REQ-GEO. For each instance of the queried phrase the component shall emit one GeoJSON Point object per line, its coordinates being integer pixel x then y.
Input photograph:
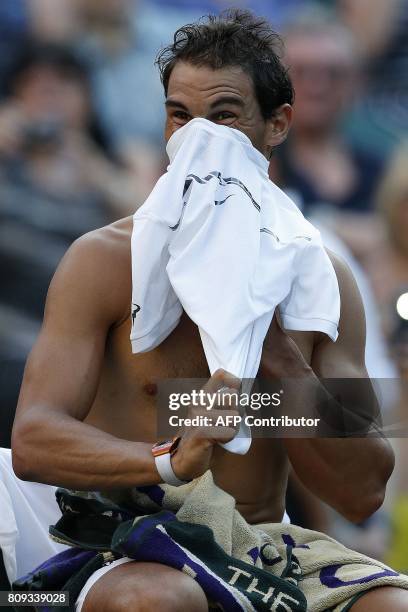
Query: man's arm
{"type": "Point", "coordinates": [89, 294]}
{"type": "Point", "coordinates": [50, 443]}
{"type": "Point", "coordinates": [350, 474]}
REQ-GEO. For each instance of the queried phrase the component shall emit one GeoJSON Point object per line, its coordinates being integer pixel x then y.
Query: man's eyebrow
{"type": "Point", "coordinates": [175, 104]}
{"type": "Point", "coordinates": [227, 100]}
{"type": "Point", "coordinates": [222, 100]}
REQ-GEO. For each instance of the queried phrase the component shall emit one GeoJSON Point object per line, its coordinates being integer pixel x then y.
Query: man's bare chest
{"type": "Point", "coordinates": [180, 355]}
{"type": "Point", "coordinates": [126, 401]}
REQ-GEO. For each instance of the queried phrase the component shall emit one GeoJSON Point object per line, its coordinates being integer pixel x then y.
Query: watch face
{"type": "Point", "coordinates": [168, 446]}
{"type": "Point", "coordinates": [161, 448]}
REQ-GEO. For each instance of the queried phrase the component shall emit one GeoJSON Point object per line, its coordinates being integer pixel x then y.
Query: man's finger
{"type": "Point", "coordinates": [221, 378]}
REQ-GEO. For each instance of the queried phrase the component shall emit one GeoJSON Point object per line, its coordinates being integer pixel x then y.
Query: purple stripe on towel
{"type": "Point", "coordinates": [63, 565]}
{"type": "Point", "coordinates": [289, 541]}
{"type": "Point", "coordinates": [329, 579]}
{"type": "Point", "coordinates": [141, 528]}
{"type": "Point", "coordinates": [160, 548]}
{"type": "Point", "coordinates": [254, 554]}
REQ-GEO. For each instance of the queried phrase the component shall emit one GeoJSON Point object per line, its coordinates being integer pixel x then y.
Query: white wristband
{"type": "Point", "coordinates": [165, 469]}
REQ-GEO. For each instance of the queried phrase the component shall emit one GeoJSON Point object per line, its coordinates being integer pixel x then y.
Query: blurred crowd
{"type": "Point", "coordinates": [81, 145]}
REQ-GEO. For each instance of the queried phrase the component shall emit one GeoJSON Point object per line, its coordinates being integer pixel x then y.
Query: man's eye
{"type": "Point", "coordinates": [181, 115]}
{"type": "Point", "coordinates": [223, 116]}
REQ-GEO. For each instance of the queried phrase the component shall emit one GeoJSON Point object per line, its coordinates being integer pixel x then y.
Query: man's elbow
{"type": "Point", "coordinates": [361, 508]}
{"type": "Point", "coordinates": [365, 500]}
{"type": "Point", "coordinates": [22, 452]}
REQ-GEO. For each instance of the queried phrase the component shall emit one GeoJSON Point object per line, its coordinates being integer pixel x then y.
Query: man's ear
{"type": "Point", "coordinates": [277, 128]}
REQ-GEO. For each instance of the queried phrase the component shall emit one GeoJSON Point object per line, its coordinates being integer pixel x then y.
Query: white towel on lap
{"type": "Point", "coordinates": [218, 239]}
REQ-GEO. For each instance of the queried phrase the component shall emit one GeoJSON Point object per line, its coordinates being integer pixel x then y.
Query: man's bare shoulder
{"type": "Point", "coordinates": [104, 252]}
{"type": "Point", "coordinates": [96, 270]}
{"type": "Point", "coordinates": [345, 277]}
{"type": "Point", "coordinates": [112, 240]}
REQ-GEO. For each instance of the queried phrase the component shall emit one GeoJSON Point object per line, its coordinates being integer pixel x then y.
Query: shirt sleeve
{"type": "Point", "coordinates": [313, 303]}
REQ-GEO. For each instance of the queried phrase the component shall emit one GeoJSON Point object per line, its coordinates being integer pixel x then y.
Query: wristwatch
{"type": "Point", "coordinates": [162, 453]}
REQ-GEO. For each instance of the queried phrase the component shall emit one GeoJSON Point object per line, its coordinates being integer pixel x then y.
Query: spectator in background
{"type": "Point", "coordinates": [373, 23]}
{"type": "Point", "coordinates": [56, 183]}
{"type": "Point", "coordinates": [381, 27]}
{"type": "Point", "coordinates": [119, 39]}
{"type": "Point", "coordinates": [51, 143]}
{"type": "Point", "coordinates": [317, 165]}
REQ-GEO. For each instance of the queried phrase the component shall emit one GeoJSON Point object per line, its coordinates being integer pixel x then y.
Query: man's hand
{"type": "Point", "coordinates": [193, 455]}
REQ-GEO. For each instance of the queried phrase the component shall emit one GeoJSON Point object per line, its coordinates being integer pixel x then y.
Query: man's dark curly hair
{"type": "Point", "coordinates": [235, 38]}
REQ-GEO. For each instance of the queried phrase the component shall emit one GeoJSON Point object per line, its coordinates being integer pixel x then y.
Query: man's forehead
{"type": "Point", "coordinates": [188, 79]}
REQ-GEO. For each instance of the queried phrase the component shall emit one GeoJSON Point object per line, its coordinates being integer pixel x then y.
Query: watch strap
{"type": "Point", "coordinates": [165, 469]}
{"type": "Point", "coordinates": [163, 452]}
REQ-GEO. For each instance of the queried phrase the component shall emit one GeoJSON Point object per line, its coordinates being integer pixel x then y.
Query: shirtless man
{"type": "Point", "coordinates": [86, 417]}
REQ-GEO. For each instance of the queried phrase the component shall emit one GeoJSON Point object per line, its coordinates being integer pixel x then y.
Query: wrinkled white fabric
{"type": "Point", "coordinates": [218, 239]}
{"type": "Point", "coordinates": [26, 511]}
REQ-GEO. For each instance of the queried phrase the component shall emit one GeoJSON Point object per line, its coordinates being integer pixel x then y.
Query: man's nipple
{"type": "Point", "coordinates": [150, 388]}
